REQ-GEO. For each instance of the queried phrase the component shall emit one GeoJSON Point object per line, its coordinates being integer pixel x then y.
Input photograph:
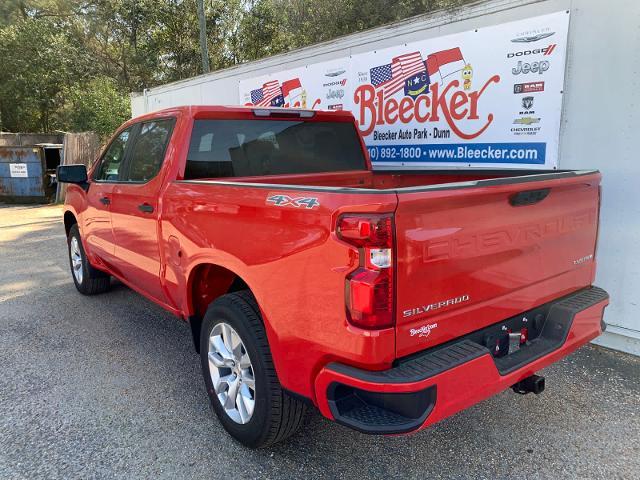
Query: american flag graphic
{"type": "Point", "coordinates": [261, 97]}
{"type": "Point", "coordinates": [393, 76]}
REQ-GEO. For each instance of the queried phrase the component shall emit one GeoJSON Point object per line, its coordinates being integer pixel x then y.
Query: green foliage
{"type": "Point", "coordinates": [96, 106]}
{"type": "Point", "coordinates": [298, 23]}
{"type": "Point", "coordinates": [38, 62]}
{"type": "Point", "coordinates": [70, 64]}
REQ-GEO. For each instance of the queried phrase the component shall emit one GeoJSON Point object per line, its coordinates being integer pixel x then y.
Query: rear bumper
{"type": "Point", "coordinates": [439, 382]}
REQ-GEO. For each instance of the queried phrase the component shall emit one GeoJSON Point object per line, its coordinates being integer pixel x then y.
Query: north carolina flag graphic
{"type": "Point", "coordinates": [442, 64]}
{"type": "Point", "coordinates": [269, 95]}
{"type": "Point", "coordinates": [397, 74]}
{"type": "Point", "coordinates": [291, 90]}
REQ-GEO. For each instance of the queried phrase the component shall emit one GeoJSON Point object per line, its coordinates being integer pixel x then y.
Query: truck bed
{"type": "Point", "coordinates": [394, 180]}
{"type": "Point", "coordinates": [472, 248]}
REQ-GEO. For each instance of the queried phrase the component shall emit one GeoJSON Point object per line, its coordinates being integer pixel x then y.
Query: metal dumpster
{"type": "Point", "coordinates": [27, 173]}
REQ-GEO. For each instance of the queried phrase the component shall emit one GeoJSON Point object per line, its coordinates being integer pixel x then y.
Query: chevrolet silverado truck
{"type": "Point", "coordinates": [388, 300]}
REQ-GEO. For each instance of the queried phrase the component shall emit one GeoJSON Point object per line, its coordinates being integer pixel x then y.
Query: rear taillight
{"type": "Point", "coordinates": [369, 288]}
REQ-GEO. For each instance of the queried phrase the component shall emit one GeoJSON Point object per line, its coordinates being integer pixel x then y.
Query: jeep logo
{"type": "Point", "coordinates": [533, 67]}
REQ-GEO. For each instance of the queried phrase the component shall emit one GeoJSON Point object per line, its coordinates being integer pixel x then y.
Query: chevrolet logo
{"type": "Point", "coordinates": [526, 120]}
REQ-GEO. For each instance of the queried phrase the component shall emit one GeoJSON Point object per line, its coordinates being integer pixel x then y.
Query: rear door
{"type": "Point", "coordinates": [473, 256]}
{"type": "Point", "coordinates": [134, 208]}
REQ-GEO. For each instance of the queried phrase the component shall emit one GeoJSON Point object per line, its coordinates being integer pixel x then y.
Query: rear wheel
{"type": "Point", "coordinates": [88, 280]}
{"type": "Point", "coordinates": [240, 377]}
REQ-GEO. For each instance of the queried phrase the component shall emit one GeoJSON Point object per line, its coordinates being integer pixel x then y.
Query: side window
{"type": "Point", "coordinates": [148, 150]}
{"type": "Point", "coordinates": [109, 168]}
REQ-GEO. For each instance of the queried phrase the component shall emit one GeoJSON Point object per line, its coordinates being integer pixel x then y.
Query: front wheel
{"type": "Point", "coordinates": [88, 280]}
{"type": "Point", "coordinates": [240, 377]}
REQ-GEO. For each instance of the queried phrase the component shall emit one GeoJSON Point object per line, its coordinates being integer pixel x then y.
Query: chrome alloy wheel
{"type": "Point", "coordinates": [76, 259]}
{"type": "Point", "coordinates": [231, 373]}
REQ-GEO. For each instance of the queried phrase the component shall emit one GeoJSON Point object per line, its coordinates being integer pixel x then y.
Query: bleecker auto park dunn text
{"type": "Point", "coordinates": [373, 109]}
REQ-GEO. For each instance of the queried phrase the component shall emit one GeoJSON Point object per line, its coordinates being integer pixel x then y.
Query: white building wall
{"type": "Point", "coordinates": [601, 101]}
{"type": "Point", "coordinates": [599, 129]}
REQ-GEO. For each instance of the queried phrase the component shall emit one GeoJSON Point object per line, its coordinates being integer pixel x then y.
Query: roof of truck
{"type": "Point", "coordinates": [232, 110]}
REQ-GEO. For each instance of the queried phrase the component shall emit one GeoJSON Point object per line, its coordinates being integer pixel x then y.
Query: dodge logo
{"type": "Point", "coordinates": [535, 51]}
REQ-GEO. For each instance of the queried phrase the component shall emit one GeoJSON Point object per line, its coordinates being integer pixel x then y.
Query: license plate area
{"type": "Point", "coordinates": [515, 339]}
{"type": "Point", "coordinates": [513, 334]}
{"type": "Point", "coordinates": [509, 336]}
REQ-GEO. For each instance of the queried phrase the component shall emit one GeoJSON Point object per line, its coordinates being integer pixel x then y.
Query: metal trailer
{"type": "Point", "coordinates": [599, 115]}
{"type": "Point", "coordinates": [28, 173]}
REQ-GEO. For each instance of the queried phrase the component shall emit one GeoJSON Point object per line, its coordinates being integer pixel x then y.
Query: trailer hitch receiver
{"type": "Point", "coordinates": [534, 383]}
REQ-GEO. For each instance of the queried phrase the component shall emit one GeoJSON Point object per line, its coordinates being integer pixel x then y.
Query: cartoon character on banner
{"type": "Point", "coordinates": [467, 75]}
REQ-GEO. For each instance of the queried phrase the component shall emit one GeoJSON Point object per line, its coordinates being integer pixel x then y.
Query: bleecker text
{"type": "Point", "coordinates": [449, 103]}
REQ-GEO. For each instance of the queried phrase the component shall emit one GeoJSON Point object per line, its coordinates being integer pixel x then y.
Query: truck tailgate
{"type": "Point", "coordinates": [472, 254]}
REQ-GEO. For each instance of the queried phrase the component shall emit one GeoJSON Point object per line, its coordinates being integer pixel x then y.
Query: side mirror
{"type": "Point", "coordinates": [72, 174]}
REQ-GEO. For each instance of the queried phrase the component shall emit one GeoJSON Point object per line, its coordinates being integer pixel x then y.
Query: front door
{"type": "Point", "coordinates": [97, 230]}
{"type": "Point", "coordinates": [134, 209]}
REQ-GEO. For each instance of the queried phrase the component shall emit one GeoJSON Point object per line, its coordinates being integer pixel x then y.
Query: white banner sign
{"type": "Point", "coordinates": [320, 86]}
{"type": "Point", "coordinates": [18, 170]}
{"type": "Point", "coordinates": [490, 97]}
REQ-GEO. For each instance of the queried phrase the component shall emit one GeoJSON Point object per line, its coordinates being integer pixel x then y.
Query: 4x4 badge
{"type": "Point", "coordinates": [299, 202]}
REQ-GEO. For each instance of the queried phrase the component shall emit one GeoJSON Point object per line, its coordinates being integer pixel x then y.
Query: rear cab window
{"type": "Point", "coordinates": [239, 148]}
{"type": "Point", "coordinates": [148, 150]}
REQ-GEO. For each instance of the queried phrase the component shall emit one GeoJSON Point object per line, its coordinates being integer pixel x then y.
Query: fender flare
{"type": "Point", "coordinates": [230, 264]}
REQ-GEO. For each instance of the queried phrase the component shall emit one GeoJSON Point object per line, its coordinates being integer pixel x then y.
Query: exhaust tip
{"type": "Point", "coordinates": [533, 384]}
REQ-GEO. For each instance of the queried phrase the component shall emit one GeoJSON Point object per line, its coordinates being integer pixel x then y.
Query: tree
{"type": "Point", "coordinates": [96, 106]}
{"type": "Point", "coordinates": [38, 62]}
{"type": "Point", "coordinates": [62, 58]}
{"type": "Point", "coordinates": [276, 26]}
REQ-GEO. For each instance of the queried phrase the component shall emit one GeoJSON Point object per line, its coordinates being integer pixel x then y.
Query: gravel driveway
{"type": "Point", "coordinates": [110, 387]}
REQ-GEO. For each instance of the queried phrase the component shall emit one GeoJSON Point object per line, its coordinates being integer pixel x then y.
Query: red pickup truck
{"type": "Point", "coordinates": [389, 300]}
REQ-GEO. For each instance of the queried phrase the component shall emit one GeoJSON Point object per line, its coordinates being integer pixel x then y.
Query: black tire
{"type": "Point", "coordinates": [277, 415]}
{"type": "Point", "coordinates": [92, 281]}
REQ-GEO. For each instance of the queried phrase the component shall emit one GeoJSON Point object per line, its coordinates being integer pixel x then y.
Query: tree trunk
{"type": "Point", "coordinates": [204, 50]}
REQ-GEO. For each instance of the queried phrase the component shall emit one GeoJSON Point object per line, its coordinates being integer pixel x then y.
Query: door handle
{"type": "Point", "coordinates": [529, 197]}
{"type": "Point", "coordinates": [145, 207]}
{"type": "Point", "coordinates": [105, 201]}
